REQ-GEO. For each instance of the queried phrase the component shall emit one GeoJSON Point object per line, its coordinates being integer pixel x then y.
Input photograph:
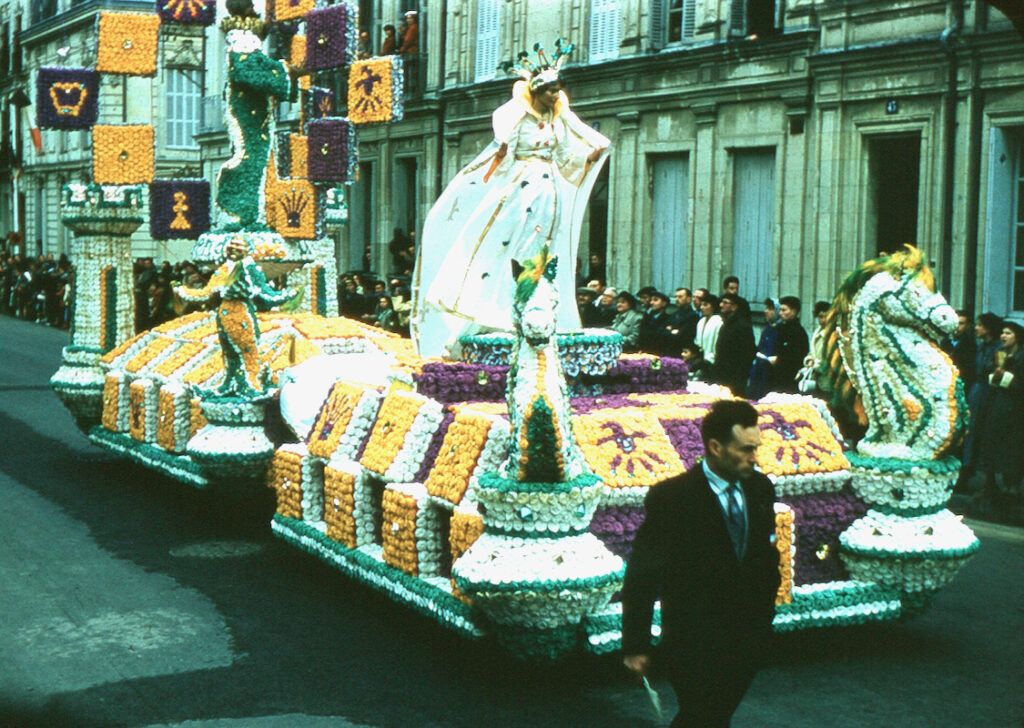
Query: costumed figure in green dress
{"type": "Point", "coordinates": [240, 289]}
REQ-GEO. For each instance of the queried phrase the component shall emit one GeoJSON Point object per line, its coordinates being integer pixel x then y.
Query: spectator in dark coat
{"type": "Point", "coordinates": [604, 307]}
{"type": "Point", "coordinates": [585, 305]}
{"type": "Point", "coordinates": [791, 347]}
{"type": "Point", "coordinates": [655, 330]}
{"type": "Point", "coordinates": [1002, 421]}
{"type": "Point", "coordinates": [735, 349]}
{"type": "Point", "coordinates": [684, 318]}
{"type": "Point", "coordinates": [988, 329]}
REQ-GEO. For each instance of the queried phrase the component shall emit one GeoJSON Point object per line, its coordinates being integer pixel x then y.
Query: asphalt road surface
{"type": "Point", "coordinates": [128, 599]}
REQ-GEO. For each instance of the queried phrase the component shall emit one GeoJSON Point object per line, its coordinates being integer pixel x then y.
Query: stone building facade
{"type": "Point", "coordinates": [780, 141]}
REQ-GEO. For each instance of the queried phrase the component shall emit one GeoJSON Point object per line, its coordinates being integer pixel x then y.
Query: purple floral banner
{"type": "Point", "coordinates": [67, 98]}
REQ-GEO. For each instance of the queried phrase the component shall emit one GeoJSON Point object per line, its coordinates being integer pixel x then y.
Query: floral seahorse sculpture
{"type": "Point", "coordinates": [543, 449]}
{"type": "Point", "coordinates": [888, 369]}
{"type": "Point", "coordinates": [255, 83]}
{"type": "Point", "coordinates": [242, 289]}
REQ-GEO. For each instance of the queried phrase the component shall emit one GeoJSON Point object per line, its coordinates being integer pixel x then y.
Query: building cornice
{"type": "Point", "coordinates": [77, 16]}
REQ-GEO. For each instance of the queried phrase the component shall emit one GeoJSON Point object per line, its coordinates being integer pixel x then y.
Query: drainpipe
{"type": "Point", "coordinates": [948, 41]}
{"type": "Point", "coordinates": [973, 189]}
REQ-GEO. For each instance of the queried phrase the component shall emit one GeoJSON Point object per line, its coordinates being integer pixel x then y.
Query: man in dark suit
{"type": "Point", "coordinates": [706, 549]}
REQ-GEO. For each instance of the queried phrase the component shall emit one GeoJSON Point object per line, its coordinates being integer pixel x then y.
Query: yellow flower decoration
{"type": "Point", "coordinates": [460, 450]}
{"type": "Point", "coordinates": [210, 367]}
{"type": "Point", "coordinates": [340, 505]}
{"type": "Point", "coordinates": [291, 9]}
{"type": "Point", "coordinates": [371, 90]}
{"type": "Point", "coordinates": [148, 353]}
{"type": "Point", "coordinates": [291, 206]}
{"type": "Point", "coordinates": [285, 477]}
{"type": "Point", "coordinates": [466, 527]}
{"type": "Point", "coordinates": [111, 402]}
{"type": "Point", "coordinates": [298, 148]}
{"type": "Point", "coordinates": [181, 358]}
{"type": "Point", "coordinates": [784, 543]}
{"type": "Point", "coordinates": [297, 51]}
{"type": "Point", "coordinates": [795, 440]}
{"type": "Point", "coordinates": [627, 447]}
{"type": "Point", "coordinates": [137, 394]}
{"type": "Point", "coordinates": [196, 417]}
{"type": "Point", "coordinates": [128, 43]}
{"type": "Point", "coordinates": [333, 418]}
{"type": "Point", "coordinates": [397, 413]}
{"type": "Point", "coordinates": [398, 531]}
{"type": "Point", "coordinates": [122, 154]}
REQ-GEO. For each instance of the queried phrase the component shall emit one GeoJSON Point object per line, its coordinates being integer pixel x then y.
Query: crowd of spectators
{"type": "Point", "coordinates": [36, 289]}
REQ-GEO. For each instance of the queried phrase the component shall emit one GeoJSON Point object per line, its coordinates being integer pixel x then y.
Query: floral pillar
{"type": "Point", "coordinates": [102, 219]}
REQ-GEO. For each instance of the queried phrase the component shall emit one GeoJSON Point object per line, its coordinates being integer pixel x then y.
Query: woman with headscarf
{"type": "Point", "coordinates": [1001, 441]}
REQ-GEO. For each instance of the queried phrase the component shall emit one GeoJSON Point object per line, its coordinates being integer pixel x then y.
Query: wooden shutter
{"type": "Point", "coordinates": [605, 29]}
{"type": "Point", "coordinates": [753, 221]}
{"type": "Point", "coordinates": [488, 29]}
{"type": "Point", "coordinates": [670, 221]}
{"type": "Point", "coordinates": [658, 24]}
{"type": "Point", "coordinates": [689, 18]}
{"type": "Point", "coordinates": [738, 17]}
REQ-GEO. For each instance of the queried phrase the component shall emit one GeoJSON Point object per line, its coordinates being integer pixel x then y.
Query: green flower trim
{"type": "Point", "coordinates": [542, 452]}
{"type": "Point", "coordinates": [76, 386]}
{"type": "Point", "coordinates": [320, 286]}
{"type": "Point", "coordinates": [934, 554]}
{"type": "Point", "coordinates": [76, 349]}
{"type": "Point", "coordinates": [590, 583]}
{"type": "Point", "coordinates": [132, 198]}
{"type": "Point", "coordinates": [850, 595]}
{"type": "Point", "coordinates": [422, 596]}
{"type": "Point", "coordinates": [909, 512]}
{"type": "Point", "coordinates": [599, 623]}
{"type": "Point", "coordinates": [943, 466]}
{"type": "Point", "coordinates": [108, 284]}
{"type": "Point", "coordinates": [493, 481]}
{"type": "Point", "coordinates": [549, 644]}
{"type": "Point", "coordinates": [178, 467]}
{"type": "Point", "coordinates": [517, 532]}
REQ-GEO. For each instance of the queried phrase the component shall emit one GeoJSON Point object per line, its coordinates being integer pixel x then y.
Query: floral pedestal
{"type": "Point", "coordinates": [907, 541]}
{"type": "Point", "coordinates": [102, 219]}
{"type": "Point", "coordinates": [591, 351]}
{"type": "Point", "coordinates": [233, 444]}
{"type": "Point", "coordinates": [537, 571]}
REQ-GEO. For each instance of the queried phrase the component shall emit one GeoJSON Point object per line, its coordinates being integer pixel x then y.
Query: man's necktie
{"type": "Point", "coordinates": [737, 529]}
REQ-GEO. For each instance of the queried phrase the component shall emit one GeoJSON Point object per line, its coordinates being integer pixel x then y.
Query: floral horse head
{"type": "Point", "coordinates": [535, 308]}
{"type": "Point", "coordinates": [889, 374]}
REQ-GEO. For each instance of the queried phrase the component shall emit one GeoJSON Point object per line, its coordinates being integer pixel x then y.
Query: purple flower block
{"type": "Point", "coordinates": [330, 37]}
{"type": "Point", "coordinates": [179, 208]}
{"type": "Point", "coordinates": [331, 150]}
{"type": "Point", "coordinates": [189, 12]}
{"type": "Point", "coordinates": [616, 527]}
{"type": "Point", "coordinates": [67, 98]}
{"type": "Point", "coordinates": [818, 520]}
{"type": "Point", "coordinates": [435, 446]}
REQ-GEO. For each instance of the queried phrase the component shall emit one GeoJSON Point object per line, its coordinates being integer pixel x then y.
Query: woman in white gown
{"type": "Point", "coordinates": [527, 189]}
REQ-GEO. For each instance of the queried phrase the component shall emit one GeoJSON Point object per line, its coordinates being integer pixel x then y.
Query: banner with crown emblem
{"type": "Point", "coordinates": [179, 208]}
{"type": "Point", "coordinates": [375, 90]}
{"type": "Point", "coordinates": [292, 208]}
{"type": "Point", "coordinates": [67, 98]}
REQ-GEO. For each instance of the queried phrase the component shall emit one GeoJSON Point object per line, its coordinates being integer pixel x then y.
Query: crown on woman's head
{"type": "Point", "coordinates": [543, 71]}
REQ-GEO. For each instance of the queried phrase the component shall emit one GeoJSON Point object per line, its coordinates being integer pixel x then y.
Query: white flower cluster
{"type": "Point", "coordinates": [360, 424]}
{"type": "Point", "coordinates": [936, 534]}
{"type": "Point", "coordinates": [421, 534]}
{"type": "Point", "coordinates": [805, 484]}
{"type": "Point", "coordinates": [233, 444]}
{"type": "Point", "coordinates": [559, 512]}
{"type": "Point", "coordinates": [539, 582]}
{"type": "Point", "coordinates": [406, 465]}
{"type": "Point", "coordinates": [912, 489]}
{"type": "Point", "coordinates": [707, 388]}
{"type": "Point", "coordinates": [149, 406]}
{"type": "Point", "coordinates": [312, 474]}
{"type": "Point", "coordinates": [116, 385]}
{"type": "Point", "coordinates": [181, 428]}
{"type": "Point", "coordinates": [495, 449]}
{"type": "Point", "coordinates": [623, 496]}
{"type": "Point", "coordinates": [364, 506]}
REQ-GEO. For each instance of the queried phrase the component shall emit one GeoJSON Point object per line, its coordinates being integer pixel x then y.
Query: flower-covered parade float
{"type": "Point", "coordinates": [498, 493]}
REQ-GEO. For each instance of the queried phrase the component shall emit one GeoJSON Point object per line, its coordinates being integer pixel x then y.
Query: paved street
{"type": "Point", "coordinates": [128, 599]}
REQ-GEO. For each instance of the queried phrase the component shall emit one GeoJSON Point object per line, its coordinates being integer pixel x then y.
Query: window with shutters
{"type": "Point", "coordinates": [605, 29]}
{"type": "Point", "coordinates": [488, 31]}
{"type": "Point", "coordinates": [672, 22]}
{"type": "Point", "coordinates": [184, 93]}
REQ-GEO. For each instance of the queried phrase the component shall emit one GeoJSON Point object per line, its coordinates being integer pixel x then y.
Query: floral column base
{"type": "Point", "coordinates": [233, 444]}
{"type": "Point", "coordinates": [907, 540]}
{"type": "Point", "coordinates": [537, 571]}
{"type": "Point", "coordinates": [79, 385]}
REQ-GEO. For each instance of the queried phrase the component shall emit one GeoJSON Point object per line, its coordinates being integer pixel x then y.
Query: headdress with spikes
{"type": "Point", "coordinates": [543, 71]}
